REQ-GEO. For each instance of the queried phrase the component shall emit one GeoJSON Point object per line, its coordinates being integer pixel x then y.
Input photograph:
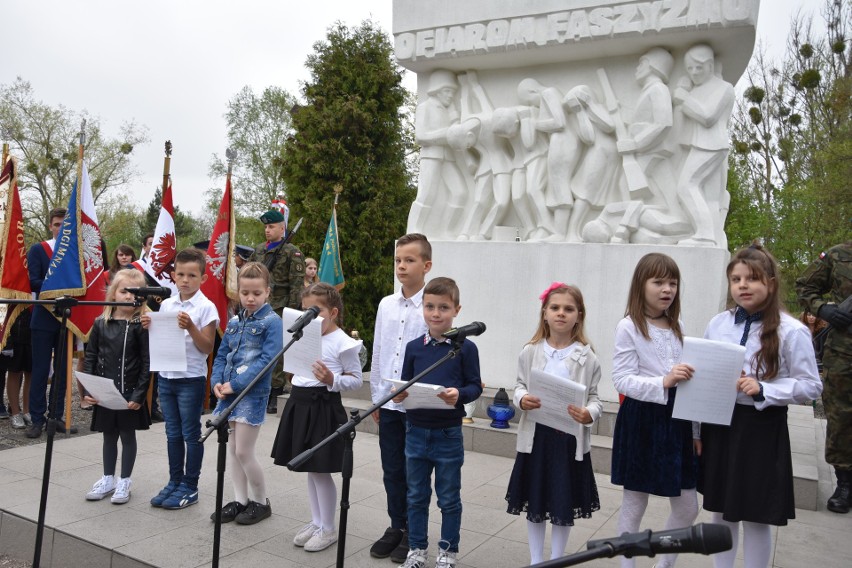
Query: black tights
{"type": "Point", "coordinates": [128, 451]}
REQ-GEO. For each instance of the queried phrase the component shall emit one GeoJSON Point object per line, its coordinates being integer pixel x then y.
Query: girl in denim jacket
{"type": "Point", "coordinates": [253, 337]}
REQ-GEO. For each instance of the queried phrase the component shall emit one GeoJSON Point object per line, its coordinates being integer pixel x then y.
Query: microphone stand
{"type": "Point", "coordinates": [641, 541]}
{"type": "Point", "coordinates": [347, 433]}
{"type": "Point", "coordinates": [219, 424]}
{"type": "Point", "coordinates": [62, 307]}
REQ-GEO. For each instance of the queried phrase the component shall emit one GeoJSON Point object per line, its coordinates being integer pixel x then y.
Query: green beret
{"type": "Point", "coordinates": [272, 216]}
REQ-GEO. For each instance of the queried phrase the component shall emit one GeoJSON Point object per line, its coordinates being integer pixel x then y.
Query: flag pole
{"type": "Point", "coordinates": [7, 135]}
{"type": "Point", "coordinates": [69, 338]}
{"type": "Point", "coordinates": [167, 164]}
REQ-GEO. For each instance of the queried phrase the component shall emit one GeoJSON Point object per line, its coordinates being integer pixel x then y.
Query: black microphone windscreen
{"type": "Point", "coordinates": [714, 538]}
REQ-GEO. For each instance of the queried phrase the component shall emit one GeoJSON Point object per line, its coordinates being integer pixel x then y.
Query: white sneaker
{"type": "Point", "coordinates": [103, 487]}
{"type": "Point", "coordinates": [321, 540]}
{"type": "Point", "coordinates": [445, 559]}
{"type": "Point", "coordinates": [18, 422]}
{"type": "Point", "coordinates": [416, 558]}
{"type": "Point", "coordinates": [28, 420]}
{"type": "Point", "coordinates": [303, 536]}
{"type": "Point", "coordinates": [122, 491]}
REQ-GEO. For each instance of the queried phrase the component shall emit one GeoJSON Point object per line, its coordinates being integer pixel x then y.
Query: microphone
{"type": "Point", "coordinates": [307, 317]}
{"type": "Point", "coordinates": [459, 333]}
{"type": "Point", "coordinates": [161, 291]}
{"type": "Point", "coordinates": [703, 538]}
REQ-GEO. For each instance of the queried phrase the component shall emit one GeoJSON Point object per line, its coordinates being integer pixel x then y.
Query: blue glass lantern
{"type": "Point", "coordinates": [500, 411]}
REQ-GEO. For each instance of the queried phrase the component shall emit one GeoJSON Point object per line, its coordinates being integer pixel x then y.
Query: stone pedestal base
{"type": "Point", "coordinates": [500, 283]}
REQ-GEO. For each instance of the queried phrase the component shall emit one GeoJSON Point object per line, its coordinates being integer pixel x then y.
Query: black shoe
{"type": "Point", "coordinates": [230, 512]}
{"type": "Point", "coordinates": [272, 405]}
{"type": "Point", "coordinates": [60, 427]}
{"type": "Point", "coordinates": [839, 502]}
{"type": "Point", "coordinates": [34, 431]}
{"type": "Point", "coordinates": [383, 547]}
{"type": "Point", "coordinates": [254, 513]}
{"type": "Point", "coordinates": [157, 416]}
{"type": "Point", "coordinates": [400, 553]}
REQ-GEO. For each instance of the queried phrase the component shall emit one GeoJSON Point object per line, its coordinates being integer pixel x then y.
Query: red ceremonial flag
{"type": "Point", "coordinates": [14, 277]}
{"type": "Point", "coordinates": [221, 282]}
{"type": "Point", "coordinates": [161, 260]}
{"type": "Point", "coordinates": [77, 266]}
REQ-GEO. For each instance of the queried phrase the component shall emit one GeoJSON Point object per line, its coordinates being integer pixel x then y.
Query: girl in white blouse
{"type": "Point", "coordinates": [553, 477]}
{"type": "Point", "coordinates": [746, 471]}
{"type": "Point", "coordinates": [652, 453]}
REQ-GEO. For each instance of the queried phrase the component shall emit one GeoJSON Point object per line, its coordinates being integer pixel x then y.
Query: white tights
{"type": "Point", "coordinates": [684, 511]}
{"type": "Point", "coordinates": [246, 471]}
{"type": "Point", "coordinates": [757, 544]}
{"type": "Point", "coordinates": [322, 493]}
{"type": "Point", "coordinates": [558, 541]}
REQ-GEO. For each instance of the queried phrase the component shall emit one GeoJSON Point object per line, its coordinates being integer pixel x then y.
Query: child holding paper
{"type": "Point", "coordinates": [652, 453]}
{"type": "Point", "coordinates": [118, 349]}
{"type": "Point", "coordinates": [553, 477]}
{"type": "Point", "coordinates": [314, 410]}
{"type": "Point", "coordinates": [746, 468]}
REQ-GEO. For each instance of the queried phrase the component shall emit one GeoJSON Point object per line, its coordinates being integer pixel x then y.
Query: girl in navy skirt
{"type": "Point", "coordinates": [118, 350]}
{"type": "Point", "coordinates": [652, 453]}
{"type": "Point", "coordinates": [314, 411]}
{"type": "Point", "coordinates": [746, 468]}
{"type": "Point", "coordinates": [553, 478]}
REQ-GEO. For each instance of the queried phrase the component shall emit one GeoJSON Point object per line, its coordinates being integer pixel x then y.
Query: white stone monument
{"type": "Point", "coordinates": [564, 139]}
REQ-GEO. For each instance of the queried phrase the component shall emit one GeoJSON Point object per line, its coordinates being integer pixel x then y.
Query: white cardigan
{"type": "Point", "coordinates": [584, 369]}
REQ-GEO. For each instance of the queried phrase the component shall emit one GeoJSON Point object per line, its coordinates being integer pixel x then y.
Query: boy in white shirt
{"type": "Point", "coordinates": [182, 393]}
{"type": "Point", "coordinates": [398, 321]}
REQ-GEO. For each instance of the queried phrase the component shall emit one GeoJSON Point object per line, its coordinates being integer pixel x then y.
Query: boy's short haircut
{"type": "Point", "coordinates": [191, 254]}
{"type": "Point", "coordinates": [443, 286]}
{"type": "Point", "coordinates": [58, 212]}
{"type": "Point", "coordinates": [146, 237]}
{"type": "Point", "coordinates": [425, 245]}
{"type": "Point", "coordinates": [254, 270]}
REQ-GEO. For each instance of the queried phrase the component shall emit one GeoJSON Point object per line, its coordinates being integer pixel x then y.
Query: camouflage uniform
{"type": "Point", "coordinates": [832, 274]}
{"type": "Point", "coordinates": [286, 278]}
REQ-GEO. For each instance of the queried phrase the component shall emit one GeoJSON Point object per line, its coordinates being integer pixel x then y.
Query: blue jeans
{"type": "Point", "coordinates": [44, 345]}
{"type": "Point", "coordinates": [443, 450]}
{"type": "Point", "coordinates": [392, 446]}
{"type": "Point", "coordinates": [181, 401]}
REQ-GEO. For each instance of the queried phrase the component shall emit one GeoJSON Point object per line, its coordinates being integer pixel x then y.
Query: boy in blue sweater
{"type": "Point", "coordinates": [433, 439]}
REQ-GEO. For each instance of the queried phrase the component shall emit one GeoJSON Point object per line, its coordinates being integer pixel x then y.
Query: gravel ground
{"type": "Point", "coordinates": [9, 562]}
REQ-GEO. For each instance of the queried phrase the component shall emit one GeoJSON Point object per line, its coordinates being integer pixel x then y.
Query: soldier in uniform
{"type": "Point", "coordinates": [286, 266]}
{"type": "Point", "coordinates": [831, 274]}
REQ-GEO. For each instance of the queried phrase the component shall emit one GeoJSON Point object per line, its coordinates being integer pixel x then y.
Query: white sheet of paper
{"type": "Point", "coordinates": [307, 350]}
{"type": "Point", "coordinates": [103, 390]}
{"type": "Point", "coordinates": [166, 342]}
{"type": "Point", "coordinates": [556, 394]}
{"type": "Point", "coordinates": [422, 395]}
{"type": "Point", "coordinates": [710, 395]}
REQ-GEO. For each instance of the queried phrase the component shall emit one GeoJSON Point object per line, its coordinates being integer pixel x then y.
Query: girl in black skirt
{"type": "Point", "coordinates": [746, 471]}
{"type": "Point", "coordinates": [553, 478]}
{"type": "Point", "coordinates": [118, 350]}
{"type": "Point", "coordinates": [314, 411]}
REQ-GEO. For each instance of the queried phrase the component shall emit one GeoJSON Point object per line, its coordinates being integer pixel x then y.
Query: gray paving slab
{"type": "Point", "coordinates": [137, 535]}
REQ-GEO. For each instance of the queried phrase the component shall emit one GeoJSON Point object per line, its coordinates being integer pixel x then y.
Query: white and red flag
{"type": "Point", "coordinates": [77, 266]}
{"type": "Point", "coordinates": [221, 283]}
{"type": "Point", "coordinates": [14, 277]}
{"type": "Point", "coordinates": [160, 262]}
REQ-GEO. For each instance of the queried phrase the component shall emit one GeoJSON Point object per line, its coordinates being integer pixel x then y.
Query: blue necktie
{"type": "Point", "coordinates": [741, 316]}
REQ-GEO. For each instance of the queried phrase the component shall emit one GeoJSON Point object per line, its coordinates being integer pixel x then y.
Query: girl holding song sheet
{"type": "Point", "coordinates": [652, 453]}
{"type": "Point", "coordinates": [552, 477]}
{"type": "Point", "coordinates": [746, 470]}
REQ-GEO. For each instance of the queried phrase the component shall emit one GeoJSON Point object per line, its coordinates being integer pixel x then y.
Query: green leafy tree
{"type": "Point", "coordinates": [46, 140]}
{"type": "Point", "coordinates": [258, 126]}
{"type": "Point", "coordinates": [351, 131]}
{"type": "Point", "coordinates": [792, 147]}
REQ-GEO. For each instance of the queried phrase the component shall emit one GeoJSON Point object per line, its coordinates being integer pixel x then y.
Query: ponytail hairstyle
{"type": "Point", "coordinates": [764, 267]}
{"type": "Point", "coordinates": [328, 296]}
{"type": "Point", "coordinates": [122, 279]}
{"type": "Point", "coordinates": [543, 331]}
{"type": "Point", "coordinates": [650, 266]}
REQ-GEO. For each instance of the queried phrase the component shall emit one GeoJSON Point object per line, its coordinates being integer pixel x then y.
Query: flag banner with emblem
{"type": "Point", "coordinates": [77, 266]}
{"type": "Point", "coordinates": [221, 283]}
{"type": "Point", "coordinates": [14, 277]}
{"type": "Point", "coordinates": [330, 268]}
{"type": "Point", "coordinates": [161, 260]}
